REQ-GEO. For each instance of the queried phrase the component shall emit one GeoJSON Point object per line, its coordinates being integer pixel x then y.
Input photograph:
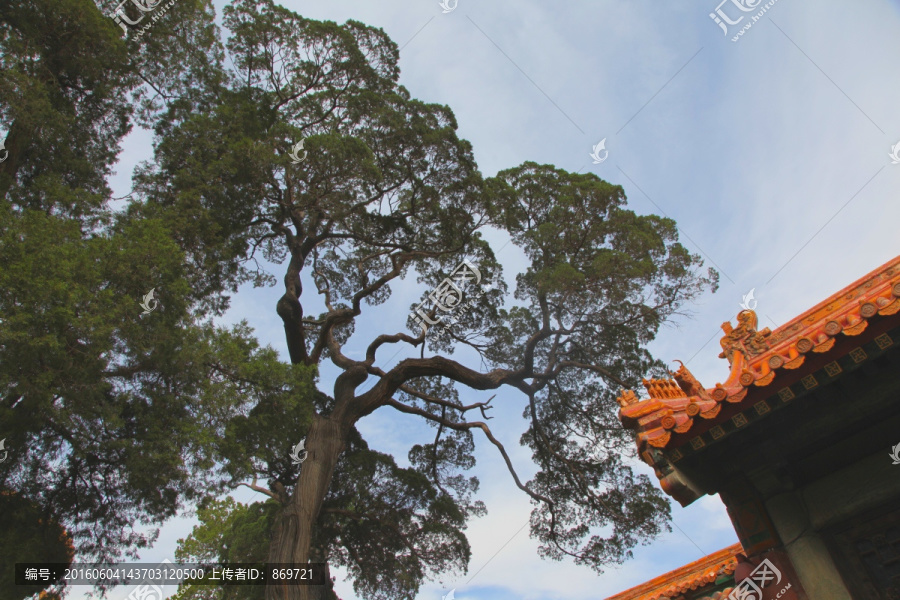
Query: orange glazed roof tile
{"type": "Point", "coordinates": [690, 577]}
{"type": "Point", "coordinates": [756, 357]}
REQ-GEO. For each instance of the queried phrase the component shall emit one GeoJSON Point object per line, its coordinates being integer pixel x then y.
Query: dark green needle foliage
{"type": "Point", "coordinates": [601, 282]}
{"type": "Point", "coordinates": [111, 418]}
{"type": "Point", "coordinates": [229, 532]}
{"type": "Point", "coordinates": [376, 512]}
{"type": "Point", "coordinates": [26, 535]}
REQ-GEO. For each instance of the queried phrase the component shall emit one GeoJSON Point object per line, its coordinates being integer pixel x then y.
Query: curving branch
{"type": "Point", "coordinates": [538, 336]}
{"type": "Point", "coordinates": [391, 339]}
{"type": "Point", "coordinates": [483, 406]}
{"type": "Point", "coordinates": [437, 438]}
{"type": "Point", "coordinates": [466, 427]}
{"type": "Point", "coordinates": [322, 284]}
{"type": "Point", "coordinates": [399, 260]}
{"type": "Point", "coordinates": [544, 440]}
{"type": "Point", "coordinates": [412, 368]}
{"type": "Point", "coordinates": [258, 488]}
{"type": "Point", "coordinates": [291, 311]}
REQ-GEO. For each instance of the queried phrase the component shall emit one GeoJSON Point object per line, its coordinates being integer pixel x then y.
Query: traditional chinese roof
{"type": "Point", "coordinates": [692, 577]}
{"type": "Point", "coordinates": [679, 409]}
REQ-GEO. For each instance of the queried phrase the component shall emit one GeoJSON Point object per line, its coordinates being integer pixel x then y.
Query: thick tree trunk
{"type": "Point", "coordinates": [293, 531]}
{"type": "Point", "coordinates": [317, 554]}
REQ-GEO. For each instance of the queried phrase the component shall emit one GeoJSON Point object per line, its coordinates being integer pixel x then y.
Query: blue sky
{"type": "Point", "coordinates": [771, 153]}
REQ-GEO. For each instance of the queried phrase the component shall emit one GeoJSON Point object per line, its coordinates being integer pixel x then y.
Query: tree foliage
{"type": "Point", "coordinates": [27, 535]}
{"type": "Point", "coordinates": [229, 532]}
{"type": "Point", "coordinates": [387, 189]}
{"type": "Point", "coordinates": [110, 419]}
{"type": "Point", "coordinates": [117, 418]}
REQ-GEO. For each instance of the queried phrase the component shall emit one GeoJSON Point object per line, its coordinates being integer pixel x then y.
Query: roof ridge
{"type": "Point", "coordinates": [702, 571]}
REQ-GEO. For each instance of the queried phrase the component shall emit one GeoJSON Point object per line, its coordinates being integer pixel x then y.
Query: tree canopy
{"type": "Point", "coordinates": [115, 418]}
{"type": "Point", "coordinates": [108, 418]}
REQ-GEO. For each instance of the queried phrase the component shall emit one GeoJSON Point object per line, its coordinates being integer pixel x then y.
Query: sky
{"type": "Point", "coordinates": [772, 152]}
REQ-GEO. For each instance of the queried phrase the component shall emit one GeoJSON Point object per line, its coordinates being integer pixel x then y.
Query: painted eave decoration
{"type": "Point", "coordinates": [689, 578]}
{"type": "Point", "coordinates": [757, 358]}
